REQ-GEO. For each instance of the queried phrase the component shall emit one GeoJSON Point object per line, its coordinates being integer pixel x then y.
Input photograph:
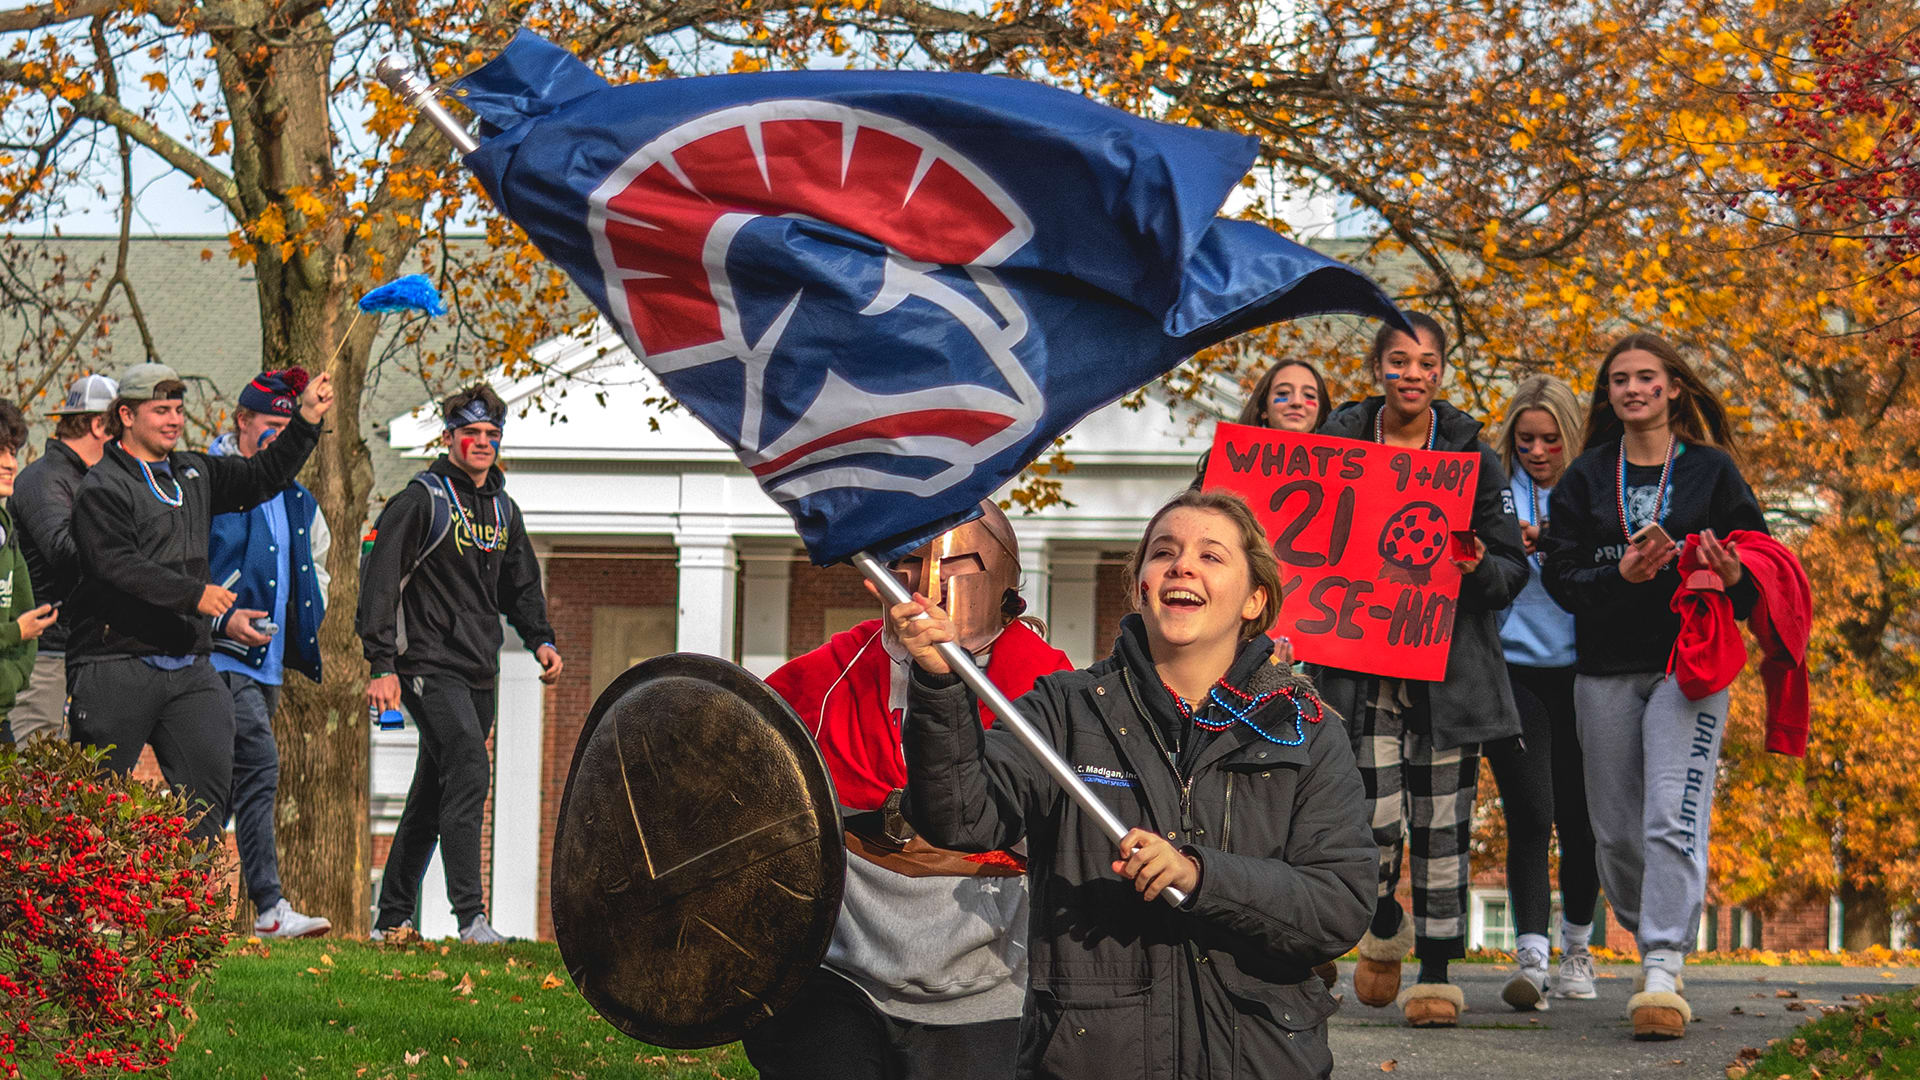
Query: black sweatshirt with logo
{"type": "Point", "coordinates": [446, 620]}
{"type": "Point", "coordinates": [1622, 627]}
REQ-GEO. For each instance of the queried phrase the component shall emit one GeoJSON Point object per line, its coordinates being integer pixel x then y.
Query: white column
{"type": "Point", "coordinates": [1073, 605]}
{"type": "Point", "coordinates": [1036, 572]}
{"type": "Point", "coordinates": [763, 632]}
{"type": "Point", "coordinates": [518, 744]}
{"type": "Point", "coordinates": [708, 563]}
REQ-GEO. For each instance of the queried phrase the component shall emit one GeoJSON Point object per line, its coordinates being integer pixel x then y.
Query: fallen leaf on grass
{"type": "Point", "coordinates": [1735, 1072]}
{"type": "Point", "coordinates": [313, 971]}
{"type": "Point", "coordinates": [436, 975]}
{"type": "Point", "coordinates": [465, 986]}
{"type": "Point", "coordinates": [552, 982]}
{"type": "Point", "coordinates": [413, 1057]}
{"type": "Point", "coordinates": [326, 960]}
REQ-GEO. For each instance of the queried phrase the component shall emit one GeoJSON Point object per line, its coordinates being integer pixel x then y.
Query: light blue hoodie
{"type": "Point", "coordinates": [1535, 631]}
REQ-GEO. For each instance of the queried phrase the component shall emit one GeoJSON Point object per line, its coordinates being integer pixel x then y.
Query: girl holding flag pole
{"type": "Point", "coordinates": [1252, 805]}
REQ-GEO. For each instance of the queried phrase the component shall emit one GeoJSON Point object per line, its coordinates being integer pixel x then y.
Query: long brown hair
{"type": "Point", "coordinates": [1254, 412]}
{"type": "Point", "coordinates": [1262, 567]}
{"type": "Point", "coordinates": [1695, 414]}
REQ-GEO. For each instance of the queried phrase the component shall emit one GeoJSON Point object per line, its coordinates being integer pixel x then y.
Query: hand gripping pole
{"type": "Point", "coordinates": [962, 665]}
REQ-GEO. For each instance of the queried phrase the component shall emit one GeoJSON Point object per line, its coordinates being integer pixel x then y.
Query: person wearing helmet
{"type": "Point", "coordinates": [926, 972]}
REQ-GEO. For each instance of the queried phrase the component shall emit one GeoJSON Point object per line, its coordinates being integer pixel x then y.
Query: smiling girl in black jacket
{"type": "Point", "coordinates": [1247, 799]}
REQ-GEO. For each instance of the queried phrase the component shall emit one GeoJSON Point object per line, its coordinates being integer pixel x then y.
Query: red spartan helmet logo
{"type": "Point", "coordinates": [663, 224]}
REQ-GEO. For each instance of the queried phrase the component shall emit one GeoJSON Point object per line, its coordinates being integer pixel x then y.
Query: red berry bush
{"type": "Point", "coordinates": [108, 914]}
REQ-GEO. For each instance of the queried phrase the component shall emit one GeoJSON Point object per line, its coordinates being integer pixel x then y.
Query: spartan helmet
{"type": "Point", "coordinates": [974, 572]}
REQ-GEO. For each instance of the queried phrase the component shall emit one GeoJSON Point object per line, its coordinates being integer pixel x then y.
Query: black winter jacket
{"type": "Point", "coordinates": [42, 508]}
{"type": "Point", "coordinates": [143, 563]}
{"type": "Point", "coordinates": [1120, 988]}
{"type": "Point", "coordinates": [1474, 704]}
{"type": "Point", "coordinates": [447, 619]}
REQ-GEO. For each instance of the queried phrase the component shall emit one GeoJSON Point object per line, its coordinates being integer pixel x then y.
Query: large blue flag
{"type": "Point", "coordinates": [888, 291]}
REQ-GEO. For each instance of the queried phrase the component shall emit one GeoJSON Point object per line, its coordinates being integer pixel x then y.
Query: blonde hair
{"type": "Point", "coordinates": [1262, 568]}
{"type": "Point", "coordinates": [1557, 398]}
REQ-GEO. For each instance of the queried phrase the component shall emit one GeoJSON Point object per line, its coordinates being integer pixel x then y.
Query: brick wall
{"type": "Point", "coordinates": [810, 591]}
{"type": "Point", "coordinates": [1111, 600]}
{"type": "Point", "coordinates": [577, 582]}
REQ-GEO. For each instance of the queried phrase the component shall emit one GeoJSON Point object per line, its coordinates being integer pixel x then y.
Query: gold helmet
{"type": "Point", "coordinates": [973, 571]}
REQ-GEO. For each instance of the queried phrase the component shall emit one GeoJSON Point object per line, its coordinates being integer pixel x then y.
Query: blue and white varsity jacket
{"type": "Point", "coordinates": [244, 542]}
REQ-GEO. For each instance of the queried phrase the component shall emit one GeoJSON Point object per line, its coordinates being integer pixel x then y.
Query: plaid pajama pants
{"type": "Point", "coordinates": [1421, 798]}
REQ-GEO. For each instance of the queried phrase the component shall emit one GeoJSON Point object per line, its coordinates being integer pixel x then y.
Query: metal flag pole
{"type": "Point", "coordinates": [962, 665]}
{"type": "Point", "coordinates": [415, 89]}
{"type": "Point", "coordinates": [418, 91]}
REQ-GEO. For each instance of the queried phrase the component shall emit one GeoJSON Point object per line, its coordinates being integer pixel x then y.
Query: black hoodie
{"type": "Point", "coordinates": [1619, 627]}
{"type": "Point", "coordinates": [1474, 704]}
{"type": "Point", "coordinates": [447, 619]}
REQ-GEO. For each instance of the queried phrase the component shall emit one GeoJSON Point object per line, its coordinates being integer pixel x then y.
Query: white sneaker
{"type": "Point", "coordinates": [481, 932]}
{"type": "Point", "coordinates": [282, 921]}
{"type": "Point", "coordinates": [378, 934]}
{"type": "Point", "coordinates": [1527, 990]}
{"type": "Point", "coordinates": [1576, 976]}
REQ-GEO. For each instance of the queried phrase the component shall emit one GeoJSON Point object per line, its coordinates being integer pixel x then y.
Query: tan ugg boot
{"type": "Point", "coordinates": [1430, 1005]}
{"type": "Point", "coordinates": [1376, 979]}
{"type": "Point", "coordinates": [1658, 1015]}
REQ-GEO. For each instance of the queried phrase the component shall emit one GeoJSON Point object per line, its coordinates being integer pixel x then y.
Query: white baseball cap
{"type": "Point", "coordinates": [88, 394]}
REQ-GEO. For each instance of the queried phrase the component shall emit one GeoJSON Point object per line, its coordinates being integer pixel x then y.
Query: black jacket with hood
{"type": "Point", "coordinates": [445, 620]}
{"type": "Point", "coordinates": [1474, 704]}
{"type": "Point", "coordinates": [1120, 988]}
{"type": "Point", "coordinates": [42, 506]}
{"type": "Point", "coordinates": [143, 563]}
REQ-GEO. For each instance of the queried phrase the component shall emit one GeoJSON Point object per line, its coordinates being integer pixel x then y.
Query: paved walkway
{"type": "Point", "coordinates": [1734, 1006]}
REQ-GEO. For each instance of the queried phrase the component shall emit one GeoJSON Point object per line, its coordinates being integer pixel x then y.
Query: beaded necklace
{"type": "Point", "coordinates": [153, 485]}
{"type": "Point", "coordinates": [1620, 490]}
{"type": "Point", "coordinates": [473, 531]}
{"type": "Point", "coordinates": [1250, 704]}
{"type": "Point", "coordinates": [1380, 428]}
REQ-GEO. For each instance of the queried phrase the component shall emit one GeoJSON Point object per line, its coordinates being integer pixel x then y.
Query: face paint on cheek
{"type": "Point", "coordinates": [495, 443]}
{"type": "Point", "coordinates": [1659, 390]}
{"type": "Point", "coordinates": [466, 445]}
{"type": "Point", "coordinates": [1391, 376]}
{"type": "Point", "coordinates": [1553, 449]}
{"type": "Point", "coordinates": [266, 437]}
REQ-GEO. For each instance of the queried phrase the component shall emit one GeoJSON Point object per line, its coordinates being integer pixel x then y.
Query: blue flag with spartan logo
{"type": "Point", "coordinates": [887, 291]}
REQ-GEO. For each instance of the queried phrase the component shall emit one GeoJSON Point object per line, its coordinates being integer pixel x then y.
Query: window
{"type": "Point", "coordinates": [1491, 923]}
{"type": "Point", "coordinates": [624, 636]}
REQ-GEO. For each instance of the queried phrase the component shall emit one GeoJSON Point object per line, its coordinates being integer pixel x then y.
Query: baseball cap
{"type": "Point", "coordinates": [88, 394]}
{"type": "Point", "coordinates": [138, 382]}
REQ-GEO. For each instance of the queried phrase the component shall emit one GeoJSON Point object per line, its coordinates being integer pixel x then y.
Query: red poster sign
{"type": "Point", "coordinates": [1364, 534]}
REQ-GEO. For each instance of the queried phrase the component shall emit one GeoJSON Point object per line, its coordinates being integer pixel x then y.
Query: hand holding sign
{"type": "Point", "coordinates": [1365, 534]}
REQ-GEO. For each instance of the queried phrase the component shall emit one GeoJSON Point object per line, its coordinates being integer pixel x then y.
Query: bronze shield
{"type": "Point", "coordinates": [697, 864]}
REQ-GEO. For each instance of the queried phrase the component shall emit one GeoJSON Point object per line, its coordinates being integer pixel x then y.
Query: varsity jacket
{"type": "Point", "coordinates": [42, 508]}
{"type": "Point", "coordinates": [435, 611]}
{"type": "Point", "coordinates": [244, 542]}
{"type": "Point", "coordinates": [143, 561]}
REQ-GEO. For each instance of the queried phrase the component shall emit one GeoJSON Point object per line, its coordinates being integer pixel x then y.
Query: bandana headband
{"type": "Point", "coordinates": [476, 412]}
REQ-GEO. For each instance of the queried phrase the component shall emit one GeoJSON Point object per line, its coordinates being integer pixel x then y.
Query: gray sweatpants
{"type": "Point", "coordinates": [1651, 756]}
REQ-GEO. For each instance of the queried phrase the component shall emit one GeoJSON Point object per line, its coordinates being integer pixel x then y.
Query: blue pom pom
{"type": "Point", "coordinates": [411, 293]}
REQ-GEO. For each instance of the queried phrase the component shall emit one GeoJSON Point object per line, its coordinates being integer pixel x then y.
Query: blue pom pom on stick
{"type": "Point", "coordinates": [415, 292]}
{"type": "Point", "coordinates": [411, 293]}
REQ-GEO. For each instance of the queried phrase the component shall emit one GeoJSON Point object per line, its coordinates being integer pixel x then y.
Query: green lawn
{"type": "Point", "coordinates": [1879, 1038]}
{"type": "Point", "coordinates": [348, 1009]}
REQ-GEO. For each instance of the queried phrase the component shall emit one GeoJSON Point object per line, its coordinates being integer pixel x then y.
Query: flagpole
{"type": "Point", "coordinates": [963, 665]}
{"type": "Point", "coordinates": [414, 88]}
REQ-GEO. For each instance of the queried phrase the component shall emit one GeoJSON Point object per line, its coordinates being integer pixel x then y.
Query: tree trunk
{"type": "Point", "coordinates": [1868, 918]}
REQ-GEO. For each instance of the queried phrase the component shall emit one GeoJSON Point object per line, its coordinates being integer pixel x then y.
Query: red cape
{"type": "Point", "coordinates": [841, 692]}
{"type": "Point", "coordinates": [1709, 654]}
